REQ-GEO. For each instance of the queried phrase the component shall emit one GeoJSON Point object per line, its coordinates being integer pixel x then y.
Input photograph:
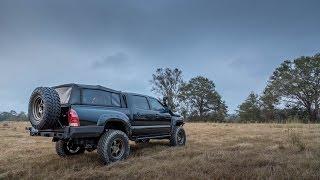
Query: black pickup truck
{"type": "Point", "coordinates": [85, 117]}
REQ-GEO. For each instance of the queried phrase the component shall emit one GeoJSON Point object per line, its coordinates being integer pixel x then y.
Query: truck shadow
{"type": "Point", "coordinates": [136, 150]}
{"type": "Point", "coordinates": [146, 148]}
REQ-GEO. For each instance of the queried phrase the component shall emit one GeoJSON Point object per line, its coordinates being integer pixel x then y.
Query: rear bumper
{"type": "Point", "coordinates": [69, 132]}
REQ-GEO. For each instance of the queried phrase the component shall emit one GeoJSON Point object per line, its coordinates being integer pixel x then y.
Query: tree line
{"type": "Point", "coordinates": [13, 116]}
{"type": "Point", "coordinates": [292, 93]}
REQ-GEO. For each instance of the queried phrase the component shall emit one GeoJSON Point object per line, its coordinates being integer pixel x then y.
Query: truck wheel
{"type": "Point", "coordinates": [44, 108]}
{"type": "Point", "coordinates": [64, 148]}
{"type": "Point", "coordinates": [113, 146]}
{"type": "Point", "coordinates": [178, 137]}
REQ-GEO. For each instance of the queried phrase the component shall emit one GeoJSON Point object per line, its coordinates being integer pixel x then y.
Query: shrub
{"type": "Point", "coordinates": [296, 139]}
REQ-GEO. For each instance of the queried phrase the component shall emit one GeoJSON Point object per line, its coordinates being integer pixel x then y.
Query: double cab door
{"type": "Point", "coordinates": [150, 117]}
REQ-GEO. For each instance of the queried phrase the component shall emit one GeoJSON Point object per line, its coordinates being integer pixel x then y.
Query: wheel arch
{"type": "Point", "coordinates": [118, 124]}
{"type": "Point", "coordinates": [115, 120]}
{"type": "Point", "coordinates": [179, 123]}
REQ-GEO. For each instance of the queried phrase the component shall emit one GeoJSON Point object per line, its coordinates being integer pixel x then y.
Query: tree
{"type": "Point", "coordinates": [184, 108]}
{"type": "Point", "coordinates": [297, 82]}
{"type": "Point", "coordinates": [268, 103]}
{"type": "Point", "coordinates": [249, 110]}
{"type": "Point", "coordinates": [166, 83]}
{"type": "Point", "coordinates": [200, 94]}
{"type": "Point", "coordinates": [220, 111]}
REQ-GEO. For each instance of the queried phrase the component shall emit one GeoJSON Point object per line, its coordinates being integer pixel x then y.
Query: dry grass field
{"type": "Point", "coordinates": [244, 151]}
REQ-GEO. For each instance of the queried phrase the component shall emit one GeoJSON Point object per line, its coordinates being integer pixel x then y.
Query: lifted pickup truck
{"type": "Point", "coordinates": [85, 117]}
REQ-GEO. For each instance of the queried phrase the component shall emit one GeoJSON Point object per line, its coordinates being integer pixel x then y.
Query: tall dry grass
{"type": "Point", "coordinates": [244, 151]}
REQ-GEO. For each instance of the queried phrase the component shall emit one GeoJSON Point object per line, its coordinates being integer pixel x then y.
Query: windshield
{"type": "Point", "coordinates": [64, 94]}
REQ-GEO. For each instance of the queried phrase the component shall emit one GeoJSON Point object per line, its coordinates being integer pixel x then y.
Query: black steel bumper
{"type": "Point", "coordinates": [69, 132]}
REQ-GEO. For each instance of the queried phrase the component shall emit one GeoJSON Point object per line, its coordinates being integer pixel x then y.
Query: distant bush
{"type": "Point", "coordinates": [13, 116]}
{"type": "Point", "coordinates": [296, 140]}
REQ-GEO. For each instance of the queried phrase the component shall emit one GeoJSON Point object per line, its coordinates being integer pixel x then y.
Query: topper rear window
{"type": "Point", "coordinates": [64, 94]}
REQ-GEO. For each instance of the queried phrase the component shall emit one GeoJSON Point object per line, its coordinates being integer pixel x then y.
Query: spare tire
{"type": "Point", "coordinates": [44, 108]}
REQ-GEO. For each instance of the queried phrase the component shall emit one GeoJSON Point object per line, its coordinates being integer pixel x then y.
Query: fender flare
{"type": "Point", "coordinates": [177, 120]}
{"type": "Point", "coordinates": [115, 117]}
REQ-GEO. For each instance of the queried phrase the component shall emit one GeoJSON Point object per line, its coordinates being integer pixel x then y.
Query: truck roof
{"type": "Point", "coordinates": [80, 86]}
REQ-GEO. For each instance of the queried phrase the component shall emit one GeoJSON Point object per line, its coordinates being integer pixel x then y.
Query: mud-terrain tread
{"type": "Point", "coordinates": [103, 144]}
{"type": "Point", "coordinates": [52, 108]}
{"type": "Point", "coordinates": [173, 137]}
{"type": "Point", "coordinates": [62, 150]}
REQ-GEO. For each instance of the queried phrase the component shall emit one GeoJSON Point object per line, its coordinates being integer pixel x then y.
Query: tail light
{"type": "Point", "coordinates": [73, 118]}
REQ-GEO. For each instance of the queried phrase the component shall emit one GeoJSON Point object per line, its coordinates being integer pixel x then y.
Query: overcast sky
{"type": "Point", "coordinates": [119, 44]}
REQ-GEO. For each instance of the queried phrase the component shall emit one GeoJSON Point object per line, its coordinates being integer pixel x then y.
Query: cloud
{"type": "Point", "coordinates": [115, 60]}
{"type": "Point", "coordinates": [119, 44]}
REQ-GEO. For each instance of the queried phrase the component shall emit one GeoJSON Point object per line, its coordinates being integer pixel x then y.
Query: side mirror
{"type": "Point", "coordinates": [165, 99]}
{"type": "Point", "coordinates": [166, 110]}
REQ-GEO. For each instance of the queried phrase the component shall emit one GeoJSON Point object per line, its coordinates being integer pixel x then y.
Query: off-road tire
{"type": "Point", "coordinates": [105, 143]}
{"type": "Point", "coordinates": [176, 134]}
{"type": "Point", "coordinates": [51, 108]}
{"type": "Point", "coordinates": [62, 149]}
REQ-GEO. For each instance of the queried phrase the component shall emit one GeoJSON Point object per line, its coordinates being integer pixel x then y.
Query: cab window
{"type": "Point", "coordinates": [140, 102]}
{"type": "Point", "coordinates": [115, 100]}
{"type": "Point", "coordinates": [156, 105]}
